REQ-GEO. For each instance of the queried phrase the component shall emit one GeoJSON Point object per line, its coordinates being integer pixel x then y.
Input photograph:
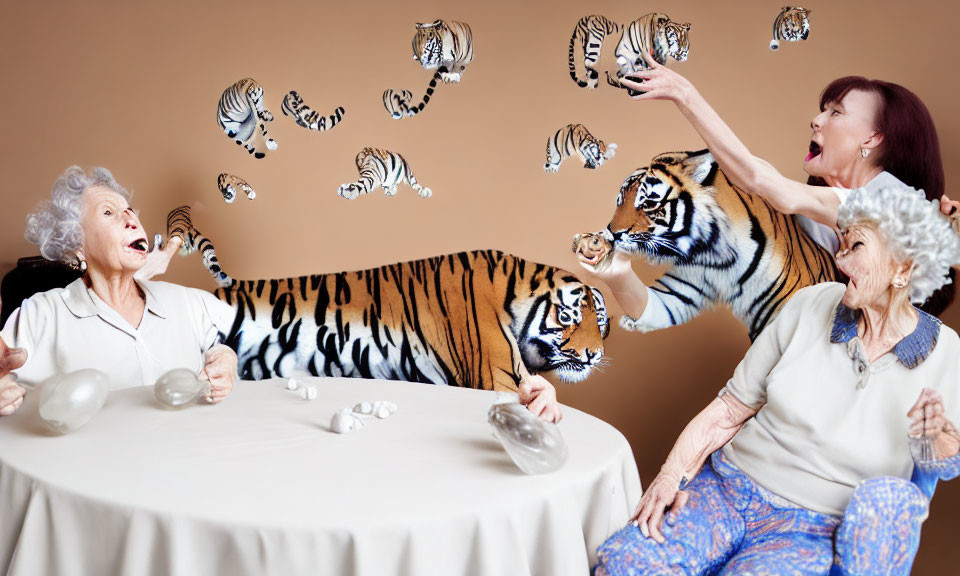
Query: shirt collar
{"type": "Point", "coordinates": [81, 304]}
{"type": "Point", "coordinates": [911, 351]}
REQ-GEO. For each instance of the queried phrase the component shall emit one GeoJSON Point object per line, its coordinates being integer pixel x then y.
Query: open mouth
{"type": "Point", "coordinates": [140, 245]}
{"type": "Point", "coordinates": [814, 151]}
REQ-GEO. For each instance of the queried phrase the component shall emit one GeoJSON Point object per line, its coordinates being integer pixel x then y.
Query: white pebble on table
{"type": "Point", "coordinates": [291, 384]}
{"type": "Point", "coordinates": [311, 392]}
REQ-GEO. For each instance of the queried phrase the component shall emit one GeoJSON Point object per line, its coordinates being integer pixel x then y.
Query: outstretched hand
{"type": "Point", "coordinates": [159, 259]}
{"type": "Point", "coordinates": [658, 83]}
{"type": "Point", "coordinates": [11, 393]}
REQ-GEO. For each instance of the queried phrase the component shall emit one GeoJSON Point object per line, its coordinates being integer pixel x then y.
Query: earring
{"type": "Point", "coordinates": [81, 263]}
{"type": "Point", "coordinates": [864, 152]}
{"type": "Point", "coordinates": [899, 283]}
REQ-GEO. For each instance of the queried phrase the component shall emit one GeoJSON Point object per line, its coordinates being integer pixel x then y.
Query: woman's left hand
{"type": "Point", "coordinates": [927, 419]}
{"type": "Point", "coordinates": [659, 83]}
{"type": "Point", "coordinates": [220, 369]}
{"type": "Point", "coordinates": [158, 259]}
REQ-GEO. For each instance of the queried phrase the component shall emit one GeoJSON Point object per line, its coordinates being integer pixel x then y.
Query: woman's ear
{"type": "Point", "coordinates": [873, 142]}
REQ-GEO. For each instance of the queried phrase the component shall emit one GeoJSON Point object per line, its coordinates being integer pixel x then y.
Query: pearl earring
{"type": "Point", "coordinates": [898, 283]}
{"type": "Point", "coordinates": [864, 152]}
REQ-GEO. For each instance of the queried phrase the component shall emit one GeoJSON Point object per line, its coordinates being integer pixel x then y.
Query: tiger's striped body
{"type": "Point", "coordinates": [305, 116]}
{"type": "Point", "coordinates": [180, 224]}
{"type": "Point", "coordinates": [479, 319]}
{"type": "Point", "coordinates": [650, 36]}
{"type": "Point", "coordinates": [791, 24]}
{"type": "Point", "coordinates": [576, 139]}
{"type": "Point", "coordinates": [444, 46]}
{"type": "Point", "coordinates": [381, 168]}
{"type": "Point", "coordinates": [240, 113]}
{"type": "Point", "coordinates": [230, 184]}
{"type": "Point", "coordinates": [725, 246]}
{"type": "Point", "coordinates": [590, 32]}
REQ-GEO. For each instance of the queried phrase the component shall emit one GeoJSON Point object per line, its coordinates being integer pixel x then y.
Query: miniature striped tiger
{"type": "Point", "coordinates": [384, 169]}
{"type": "Point", "coordinates": [590, 32]}
{"type": "Point", "coordinates": [479, 319]}
{"type": "Point", "coordinates": [230, 184]}
{"type": "Point", "coordinates": [652, 35]}
{"type": "Point", "coordinates": [240, 113]}
{"type": "Point", "coordinates": [444, 46]}
{"type": "Point", "coordinates": [180, 224]}
{"type": "Point", "coordinates": [791, 24]}
{"type": "Point", "coordinates": [305, 116]}
{"type": "Point", "coordinates": [576, 139]}
{"type": "Point", "coordinates": [725, 246]}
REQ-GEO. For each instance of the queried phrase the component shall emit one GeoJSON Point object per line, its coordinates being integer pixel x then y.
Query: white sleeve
{"type": "Point", "coordinates": [25, 328]}
{"type": "Point", "coordinates": [655, 315]}
{"type": "Point", "coordinates": [215, 319]}
{"type": "Point", "coordinates": [841, 193]}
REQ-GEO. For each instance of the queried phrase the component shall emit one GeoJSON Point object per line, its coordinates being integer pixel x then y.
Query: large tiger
{"type": "Point", "coordinates": [652, 35]}
{"type": "Point", "coordinates": [444, 46]}
{"type": "Point", "coordinates": [791, 24]}
{"type": "Point", "coordinates": [240, 113]}
{"type": "Point", "coordinates": [381, 168]}
{"type": "Point", "coordinates": [305, 116]}
{"type": "Point", "coordinates": [590, 31]}
{"type": "Point", "coordinates": [576, 139]}
{"type": "Point", "coordinates": [725, 246]}
{"type": "Point", "coordinates": [479, 319]}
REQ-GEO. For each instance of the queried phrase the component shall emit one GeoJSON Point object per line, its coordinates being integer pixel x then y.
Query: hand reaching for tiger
{"type": "Point", "coordinates": [658, 83]}
{"type": "Point", "coordinates": [158, 259]}
{"type": "Point", "coordinates": [540, 397]}
{"type": "Point", "coordinates": [597, 256]}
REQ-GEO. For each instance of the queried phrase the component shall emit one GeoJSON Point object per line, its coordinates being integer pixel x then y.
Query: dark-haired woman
{"type": "Point", "coordinates": [869, 134]}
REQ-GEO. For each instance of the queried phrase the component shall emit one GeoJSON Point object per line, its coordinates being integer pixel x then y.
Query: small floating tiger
{"type": "Point", "coordinates": [303, 115]}
{"type": "Point", "coordinates": [479, 319]}
{"type": "Point", "coordinates": [791, 24]}
{"type": "Point", "coordinates": [576, 139]}
{"type": "Point", "coordinates": [446, 46]}
{"type": "Point", "coordinates": [240, 113]}
{"type": "Point", "coordinates": [590, 31]}
{"type": "Point", "coordinates": [381, 168]}
{"type": "Point", "coordinates": [180, 224]}
{"type": "Point", "coordinates": [229, 184]}
{"type": "Point", "coordinates": [652, 35]}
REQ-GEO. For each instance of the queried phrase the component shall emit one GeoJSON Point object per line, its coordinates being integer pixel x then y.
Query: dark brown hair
{"type": "Point", "coordinates": [910, 149]}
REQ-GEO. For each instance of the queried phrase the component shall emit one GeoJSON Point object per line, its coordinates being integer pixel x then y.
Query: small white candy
{"type": "Point", "coordinates": [383, 408]}
{"type": "Point", "coordinates": [344, 420]}
{"type": "Point", "coordinates": [363, 408]}
{"type": "Point", "coordinates": [291, 384]}
{"type": "Point", "coordinates": [311, 393]}
{"type": "Point", "coordinates": [382, 412]}
{"type": "Point", "coordinates": [303, 393]}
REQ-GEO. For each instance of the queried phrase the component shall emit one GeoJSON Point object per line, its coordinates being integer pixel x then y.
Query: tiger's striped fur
{"type": "Point", "coordinates": [590, 31]}
{"type": "Point", "coordinates": [650, 36]}
{"type": "Point", "coordinates": [303, 115]}
{"type": "Point", "coordinates": [444, 46]}
{"type": "Point", "coordinates": [240, 113]}
{"type": "Point", "coordinates": [480, 319]}
{"type": "Point", "coordinates": [791, 24]}
{"type": "Point", "coordinates": [180, 224]}
{"type": "Point", "coordinates": [576, 139]}
{"type": "Point", "coordinates": [725, 246]}
{"type": "Point", "coordinates": [381, 168]}
{"type": "Point", "coordinates": [229, 184]}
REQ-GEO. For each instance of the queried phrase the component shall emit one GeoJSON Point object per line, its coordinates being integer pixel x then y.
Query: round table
{"type": "Point", "coordinates": [260, 485]}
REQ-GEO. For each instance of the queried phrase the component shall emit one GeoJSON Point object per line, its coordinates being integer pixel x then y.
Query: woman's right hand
{"type": "Point", "coordinates": [11, 394]}
{"type": "Point", "coordinates": [659, 83]}
{"type": "Point", "coordinates": [598, 257]}
{"type": "Point", "coordinates": [663, 493]}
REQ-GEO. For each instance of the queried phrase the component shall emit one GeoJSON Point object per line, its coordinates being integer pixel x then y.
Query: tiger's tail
{"type": "Point", "coordinates": [180, 224]}
{"type": "Point", "coordinates": [305, 116]}
{"type": "Point", "coordinates": [401, 108]}
{"type": "Point", "coordinates": [572, 60]}
{"type": "Point", "coordinates": [775, 43]}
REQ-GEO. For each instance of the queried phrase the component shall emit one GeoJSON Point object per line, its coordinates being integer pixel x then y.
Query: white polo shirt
{"type": "Point", "coordinates": [817, 433]}
{"type": "Point", "coordinates": [67, 329]}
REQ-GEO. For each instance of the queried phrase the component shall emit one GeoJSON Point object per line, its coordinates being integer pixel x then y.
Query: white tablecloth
{"type": "Point", "coordinates": [259, 485]}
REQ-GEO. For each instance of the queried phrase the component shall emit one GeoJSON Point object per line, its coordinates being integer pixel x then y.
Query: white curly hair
{"type": "Point", "coordinates": [55, 225]}
{"type": "Point", "coordinates": [915, 229]}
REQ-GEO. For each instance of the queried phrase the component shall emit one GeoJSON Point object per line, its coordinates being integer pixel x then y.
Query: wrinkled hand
{"type": "Point", "coordinates": [951, 208]}
{"type": "Point", "coordinates": [663, 493]}
{"type": "Point", "coordinates": [658, 83]}
{"type": "Point", "coordinates": [11, 394]}
{"type": "Point", "coordinates": [927, 419]}
{"type": "Point", "coordinates": [540, 397]}
{"type": "Point", "coordinates": [220, 369]}
{"type": "Point", "coordinates": [158, 259]}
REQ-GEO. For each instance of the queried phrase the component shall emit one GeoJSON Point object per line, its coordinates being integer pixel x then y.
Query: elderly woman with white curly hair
{"type": "Point", "coordinates": [803, 463]}
{"type": "Point", "coordinates": [132, 330]}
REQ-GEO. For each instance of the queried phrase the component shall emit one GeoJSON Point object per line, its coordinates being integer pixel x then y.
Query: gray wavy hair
{"type": "Point", "coordinates": [55, 225]}
{"type": "Point", "coordinates": [915, 231]}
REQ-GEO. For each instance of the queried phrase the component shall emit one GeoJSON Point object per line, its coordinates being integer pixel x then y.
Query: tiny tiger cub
{"type": "Point", "coordinates": [576, 139]}
{"type": "Point", "coordinates": [478, 319]}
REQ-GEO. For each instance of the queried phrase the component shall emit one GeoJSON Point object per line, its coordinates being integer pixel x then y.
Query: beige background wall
{"type": "Point", "coordinates": [133, 86]}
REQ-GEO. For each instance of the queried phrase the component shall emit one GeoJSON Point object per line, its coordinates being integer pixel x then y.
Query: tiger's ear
{"type": "Point", "coordinates": [685, 26]}
{"type": "Point", "coordinates": [701, 168]}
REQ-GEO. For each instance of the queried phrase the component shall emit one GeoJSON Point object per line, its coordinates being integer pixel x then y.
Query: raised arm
{"type": "Point", "coordinates": [751, 174]}
{"type": "Point", "coordinates": [706, 433]}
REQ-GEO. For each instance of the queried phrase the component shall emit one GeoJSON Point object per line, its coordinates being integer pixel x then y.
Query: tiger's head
{"type": "Point", "coordinates": [678, 41]}
{"type": "Point", "coordinates": [795, 24]}
{"type": "Point", "coordinates": [428, 44]}
{"type": "Point", "coordinates": [669, 210]}
{"type": "Point", "coordinates": [593, 152]}
{"type": "Point", "coordinates": [561, 327]}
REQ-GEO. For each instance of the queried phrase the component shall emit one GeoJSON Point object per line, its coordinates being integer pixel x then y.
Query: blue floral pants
{"type": "Point", "coordinates": [731, 525]}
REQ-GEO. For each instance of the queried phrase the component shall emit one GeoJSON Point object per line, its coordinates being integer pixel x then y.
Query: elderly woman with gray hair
{"type": "Point", "coordinates": [133, 330]}
{"type": "Point", "coordinates": [802, 464]}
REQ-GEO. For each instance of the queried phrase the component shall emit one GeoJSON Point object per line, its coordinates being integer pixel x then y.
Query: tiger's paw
{"type": "Point", "coordinates": [593, 249]}
{"type": "Point", "coordinates": [425, 192]}
{"type": "Point", "coordinates": [271, 144]}
{"type": "Point", "coordinates": [349, 191]}
{"type": "Point", "coordinates": [390, 190]}
{"type": "Point", "coordinates": [550, 168]}
{"type": "Point", "coordinates": [611, 151]}
{"type": "Point", "coordinates": [450, 77]}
